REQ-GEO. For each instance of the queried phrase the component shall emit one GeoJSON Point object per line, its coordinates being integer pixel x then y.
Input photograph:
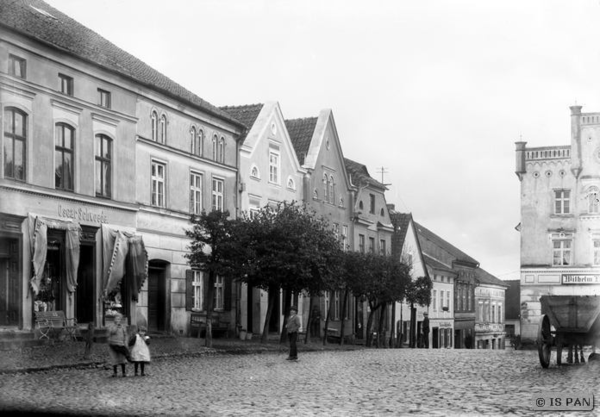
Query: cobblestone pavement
{"type": "Point", "coordinates": [368, 382]}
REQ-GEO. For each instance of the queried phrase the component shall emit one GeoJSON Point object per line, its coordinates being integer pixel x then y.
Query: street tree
{"type": "Point", "coordinates": [418, 293]}
{"type": "Point", "coordinates": [289, 249]}
{"type": "Point", "coordinates": [213, 249]}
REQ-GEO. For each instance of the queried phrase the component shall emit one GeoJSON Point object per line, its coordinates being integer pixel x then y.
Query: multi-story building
{"type": "Point", "coordinates": [454, 278]}
{"type": "Point", "coordinates": [406, 247]}
{"type": "Point", "coordinates": [269, 173]}
{"type": "Point", "coordinates": [490, 311]}
{"type": "Point", "coordinates": [327, 189]}
{"type": "Point", "coordinates": [103, 161]}
{"type": "Point", "coordinates": [560, 218]}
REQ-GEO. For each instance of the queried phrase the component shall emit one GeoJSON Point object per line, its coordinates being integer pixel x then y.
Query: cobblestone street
{"type": "Point", "coordinates": [368, 382]}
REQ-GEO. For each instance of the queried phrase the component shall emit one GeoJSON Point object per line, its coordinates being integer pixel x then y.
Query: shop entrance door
{"type": "Point", "coordinates": [85, 285]}
{"type": "Point", "coordinates": [157, 285]}
{"type": "Point", "coordinates": [9, 282]}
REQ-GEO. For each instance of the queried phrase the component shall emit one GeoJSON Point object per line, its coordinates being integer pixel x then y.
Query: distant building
{"type": "Point", "coordinates": [560, 218]}
{"type": "Point", "coordinates": [512, 324]}
{"type": "Point", "coordinates": [489, 311]}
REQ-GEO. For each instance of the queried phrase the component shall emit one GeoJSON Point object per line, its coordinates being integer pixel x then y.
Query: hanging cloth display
{"type": "Point", "coordinates": [38, 237]}
{"type": "Point", "coordinates": [119, 246]}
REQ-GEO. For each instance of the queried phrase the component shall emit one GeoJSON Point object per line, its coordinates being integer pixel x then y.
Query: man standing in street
{"type": "Point", "coordinates": [293, 326]}
{"type": "Point", "coordinates": [426, 331]}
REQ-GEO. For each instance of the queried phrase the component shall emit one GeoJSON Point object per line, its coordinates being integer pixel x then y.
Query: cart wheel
{"type": "Point", "coordinates": [544, 342]}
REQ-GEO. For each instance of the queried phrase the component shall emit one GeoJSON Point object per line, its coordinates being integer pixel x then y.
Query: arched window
{"type": "Point", "coordinates": [221, 150]}
{"type": "Point", "coordinates": [214, 148]}
{"type": "Point", "coordinates": [64, 138]}
{"type": "Point", "coordinates": [200, 141]}
{"type": "Point", "coordinates": [154, 118]}
{"type": "Point", "coordinates": [325, 187]}
{"type": "Point", "coordinates": [163, 129]}
{"type": "Point", "coordinates": [254, 172]}
{"type": "Point", "coordinates": [193, 141]}
{"type": "Point", "coordinates": [15, 143]}
{"type": "Point", "coordinates": [593, 200]}
{"type": "Point", "coordinates": [331, 190]}
{"type": "Point", "coordinates": [103, 166]}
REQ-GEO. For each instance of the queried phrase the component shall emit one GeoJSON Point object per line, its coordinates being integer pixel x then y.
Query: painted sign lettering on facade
{"type": "Point", "coordinates": [82, 215]}
{"type": "Point", "coordinates": [580, 279]}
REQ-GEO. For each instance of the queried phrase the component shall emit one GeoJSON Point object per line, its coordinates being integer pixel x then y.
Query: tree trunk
{"type": "Point", "coordinates": [310, 318]}
{"type": "Point", "coordinates": [381, 325]}
{"type": "Point", "coordinates": [370, 325]}
{"type": "Point", "coordinates": [210, 295]}
{"type": "Point", "coordinates": [287, 303]}
{"type": "Point", "coordinates": [413, 326]}
{"type": "Point", "coordinates": [393, 329]}
{"type": "Point", "coordinates": [343, 319]}
{"type": "Point", "coordinates": [327, 318]}
{"type": "Point", "coordinates": [270, 304]}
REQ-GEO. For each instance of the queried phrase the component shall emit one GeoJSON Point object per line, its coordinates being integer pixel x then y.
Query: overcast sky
{"type": "Point", "coordinates": [435, 92]}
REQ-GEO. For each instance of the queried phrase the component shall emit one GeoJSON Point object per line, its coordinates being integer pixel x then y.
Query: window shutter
{"type": "Point", "coordinates": [189, 289]}
{"type": "Point", "coordinates": [227, 288]}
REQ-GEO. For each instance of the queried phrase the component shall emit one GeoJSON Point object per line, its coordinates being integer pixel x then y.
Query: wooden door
{"type": "Point", "coordinates": [156, 299]}
{"type": "Point", "coordinates": [9, 282]}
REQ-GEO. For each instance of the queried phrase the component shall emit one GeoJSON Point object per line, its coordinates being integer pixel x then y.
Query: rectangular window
{"type": "Point", "coordinates": [345, 237]}
{"type": "Point", "coordinates": [17, 67]}
{"type": "Point", "coordinates": [493, 318]}
{"type": "Point", "coordinates": [561, 201]}
{"type": "Point", "coordinates": [66, 84]}
{"type": "Point", "coordinates": [596, 252]}
{"type": "Point", "coordinates": [219, 300]}
{"type": "Point", "coordinates": [372, 203]}
{"type": "Point", "coordinates": [198, 286]}
{"type": "Point", "coordinates": [158, 184]}
{"type": "Point", "coordinates": [500, 318]}
{"type": "Point", "coordinates": [195, 193]}
{"type": "Point", "coordinates": [561, 252]}
{"type": "Point", "coordinates": [442, 299]}
{"type": "Point", "coordinates": [15, 140]}
{"type": "Point", "coordinates": [64, 138]}
{"type": "Point", "coordinates": [382, 247]}
{"type": "Point", "coordinates": [217, 194]}
{"type": "Point", "coordinates": [448, 299]}
{"type": "Point", "coordinates": [104, 98]}
{"type": "Point", "coordinates": [371, 245]}
{"type": "Point", "coordinates": [273, 166]}
{"type": "Point", "coordinates": [361, 243]}
{"type": "Point", "coordinates": [434, 300]}
{"type": "Point", "coordinates": [103, 166]}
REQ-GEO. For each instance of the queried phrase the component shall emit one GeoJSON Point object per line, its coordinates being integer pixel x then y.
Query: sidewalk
{"type": "Point", "coordinates": [70, 354]}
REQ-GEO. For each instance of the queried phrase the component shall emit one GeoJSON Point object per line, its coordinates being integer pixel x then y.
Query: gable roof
{"type": "Point", "coordinates": [437, 265]}
{"type": "Point", "coordinates": [485, 277]}
{"type": "Point", "coordinates": [301, 132]}
{"type": "Point", "coordinates": [459, 255]}
{"type": "Point", "coordinates": [400, 222]}
{"type": "Point", "coordinates": [359, 174]}
{"type": "Point", "coordinates": [246, 114]}
{"type": "Point", "coordinates": [38, 20]}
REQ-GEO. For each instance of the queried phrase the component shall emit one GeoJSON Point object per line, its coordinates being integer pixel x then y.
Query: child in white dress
{"type": "Point", "coordinates": [140, 353]}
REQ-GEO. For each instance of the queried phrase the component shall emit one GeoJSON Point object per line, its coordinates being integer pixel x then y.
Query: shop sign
{"type": "Point", "coordinates": [489, 327]}
{"type": "Point", "coordinates": [445, 324]}
{"type": "Point", "coordinates": [580, 279]}
{"type": "Point", "coordinates": [82, 214]}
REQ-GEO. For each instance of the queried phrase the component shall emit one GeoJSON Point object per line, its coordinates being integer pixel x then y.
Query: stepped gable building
{"type": "Point", "coordinates": [560, 218]}
{"type": "Point", "coordinates": [406, 247]}
{"type": "Point", "coordinates": [327, 189]}
{"type": "Point", "coordinates": [269, 173]}
{"type": "Point", "coordinates": [104, 160]}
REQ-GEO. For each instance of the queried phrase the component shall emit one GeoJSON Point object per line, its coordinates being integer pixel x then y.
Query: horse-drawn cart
{"type": "Point", "coordinates": [567, 321]}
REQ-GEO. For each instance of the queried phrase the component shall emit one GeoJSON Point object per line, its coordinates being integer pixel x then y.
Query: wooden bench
{"type": "Point", "coordinates": [55, 324]}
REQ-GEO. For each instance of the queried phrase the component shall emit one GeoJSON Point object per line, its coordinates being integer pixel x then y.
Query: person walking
{"type": "Point", "coordinates": [140, 353]}
{"type": "Point", "coordinates": [293, 326]}
{"type": "Point", "coordinates": [426, 330]}
{"type": "Point", "coordinates": [117, 345]}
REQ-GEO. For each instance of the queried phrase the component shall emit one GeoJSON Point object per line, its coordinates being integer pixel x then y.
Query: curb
{"type": "Point", "coordinates": [207, 352]}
